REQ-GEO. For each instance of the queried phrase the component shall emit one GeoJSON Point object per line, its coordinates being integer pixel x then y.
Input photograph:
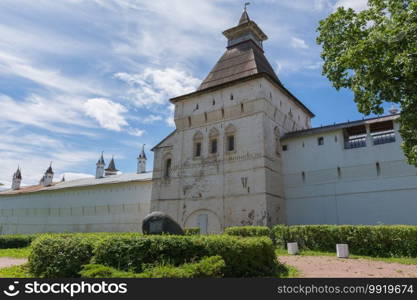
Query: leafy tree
{"type": "Point", "coordinates": [374, 53]}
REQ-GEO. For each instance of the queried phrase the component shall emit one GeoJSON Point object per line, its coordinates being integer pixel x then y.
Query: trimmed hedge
{"type": "Point", "coordinates": [59, 256]}
{"type": "Point", "coordinates": [207, 267]}
{"type": "Point", "coordinates": [244, 257]}
{"type": "Point", "coordinates": [62, 255]}
{"type": "Point", "coordinates": [248, 231]}
{"type": "Point", "coordinates": [378, 241]}
{"type": "Point", "coordinates": [16, 240]}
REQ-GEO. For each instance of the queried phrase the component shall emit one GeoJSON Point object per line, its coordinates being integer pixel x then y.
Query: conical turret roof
{"type": "Point", "coordinates": [112, 166]}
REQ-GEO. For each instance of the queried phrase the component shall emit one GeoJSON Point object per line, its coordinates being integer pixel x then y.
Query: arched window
{"type": "Point", "coordinates": [198, 142]}
{"type": "Point", "coordinates": [213, 141]}
{"type": "Point", "coordinates": [230, 138]}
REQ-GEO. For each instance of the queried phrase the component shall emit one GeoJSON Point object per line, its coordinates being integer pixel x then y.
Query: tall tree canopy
{"type": "Point", "coordinates": [374, 53]}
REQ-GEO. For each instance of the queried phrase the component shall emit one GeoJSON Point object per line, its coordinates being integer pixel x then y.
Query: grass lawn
{"type": "Point", "coordinates": [15, 272]}
{"type": "Point", "coordinates": [399, 260]}
{"type": "Point", "coordinates": [15, 252]}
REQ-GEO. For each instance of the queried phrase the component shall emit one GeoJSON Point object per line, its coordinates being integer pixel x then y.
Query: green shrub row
{"type": "Point", "coordinates": [248, 231]}
{"type": "Point", "coordinates": [244, 257]}
{"type": "Point", "coordinates": [64, 255]}
{"type": "Point", "coordinates": [378, 241]}
{"type": "Point", "coordinates": [16, 240]}
{"type": "Point", "coordinates": [192, 231]}
{"type": "Point", "coordinates": [207, 267]}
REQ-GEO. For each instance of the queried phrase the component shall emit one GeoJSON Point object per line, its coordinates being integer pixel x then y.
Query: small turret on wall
{"type": "Point", "coordinates": [142, 161]}
{"type": "Point", "coordinates": [100, 167]}
{"type": "Point", "coordinates": [48, 177]}
{"type": "Point", "coordinates": [17, 179]}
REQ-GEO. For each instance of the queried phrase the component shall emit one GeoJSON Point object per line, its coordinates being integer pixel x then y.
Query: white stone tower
{"type": "Point", "coordinates": [17, 179]}
{"type": "Point", "coordinates": [221, 166]}
{"type": "Point", "coordinates": [48, 176]}
{"type": "Point", "coordinates": [100, 167]}
{"type": "Point", "coordinates": [142, 161]}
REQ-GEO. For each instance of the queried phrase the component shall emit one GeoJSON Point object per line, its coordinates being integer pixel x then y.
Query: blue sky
{"type": "Point", "coordinates": [78, 77]}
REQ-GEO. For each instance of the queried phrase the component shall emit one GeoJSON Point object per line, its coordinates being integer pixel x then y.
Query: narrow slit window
{"type": "Point", "coordinates": [320, 141]}
{"type": "Point", "coordinates": [213, 146]}
{"type": "Point", "coordinates": [198, 149]}
{"type": "Point", "coordinates": [168, 168]}
{"type": "Point", "coordinates": [378, 169]}
{"type": "Point", "coordinates": [284, 148]}
{"type": "Point", "coordinates": [231, 143]}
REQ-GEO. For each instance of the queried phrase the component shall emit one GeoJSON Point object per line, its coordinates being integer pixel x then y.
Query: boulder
{"type": "Point", "coordinates": [160, 223]}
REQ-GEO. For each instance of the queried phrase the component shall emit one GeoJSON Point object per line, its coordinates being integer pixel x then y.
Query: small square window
{"type": "Point", "coordinates": [320, 141]}
{"type": "Point", "coordinates": [231, 143]}
{"type": "Point", "coordinates": [284, 147]}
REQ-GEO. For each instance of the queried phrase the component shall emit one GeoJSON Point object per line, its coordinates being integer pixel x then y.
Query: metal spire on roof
{"type": "Point", "coordinates": [142, 155]}
{"type": "Point", "coordinates": [101, 160]}
{"type": "Point", "coordinates": [245, 16]}
{"type": "Point", "coordinates": [49, 170]}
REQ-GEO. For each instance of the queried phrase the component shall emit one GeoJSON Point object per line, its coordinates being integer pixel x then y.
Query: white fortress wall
{"type": "Point", "coordinates": [328, 184]}
{"type": "Point", "coordinates": [117, 207]}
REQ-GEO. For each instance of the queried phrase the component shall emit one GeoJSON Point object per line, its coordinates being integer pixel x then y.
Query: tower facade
{"type": "Point", "coordinates": [17, 179]}
{"type": "Point", "coordinates": [221, 167]}
{"type": "Point", "coordinates": [142, 161]}
{"type": "Point", "coordinates": [100, 167]}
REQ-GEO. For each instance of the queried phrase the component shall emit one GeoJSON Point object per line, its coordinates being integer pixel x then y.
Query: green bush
{"type": "Point", "coordinates": [63, 255]}
{"type": "Point", "coordinates": [16, 240]}
{"type": "Point", "coordinates": [192, 231]}
{"type": "Point", "coordinates": [379, 241]}
{"type": "Point", "coordinates": [59, 256]}
{"type": "Point", "coordinates": [244, 257]}
{"type": "Point", "coordinates": [248, 231]}
{"type": "Point", "coordinates": [207, 267]}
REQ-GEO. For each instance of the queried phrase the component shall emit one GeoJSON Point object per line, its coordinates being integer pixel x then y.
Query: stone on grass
{"type": "Point", "coordinates": [160, 223]}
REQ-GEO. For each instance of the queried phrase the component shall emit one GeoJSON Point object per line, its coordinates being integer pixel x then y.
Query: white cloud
{"type": "Point", "coordinates": [355, 4]}
{"type": "Point", "coordinates": [18, 66]}
{"type": "Point", "coordinates": [156, 86]}
{"type": "Point", "coordinates": [43, 113]}
{"type": "Point", "coordinates": [150, 119]}
{"type": "Point", "coordinates": [107, 113]}
{"type": "Point", "coordinates": [170, 120]}
{"type": "Point", "coordinates": [298, 43]}
{"type": "Point", "coordinates": [136, 132]}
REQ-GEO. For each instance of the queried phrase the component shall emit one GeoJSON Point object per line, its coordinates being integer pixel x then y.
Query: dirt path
{"type": "Point", "coordinates": [8, 261]}
{"type": "Point", "coordinates": [332, 267]}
